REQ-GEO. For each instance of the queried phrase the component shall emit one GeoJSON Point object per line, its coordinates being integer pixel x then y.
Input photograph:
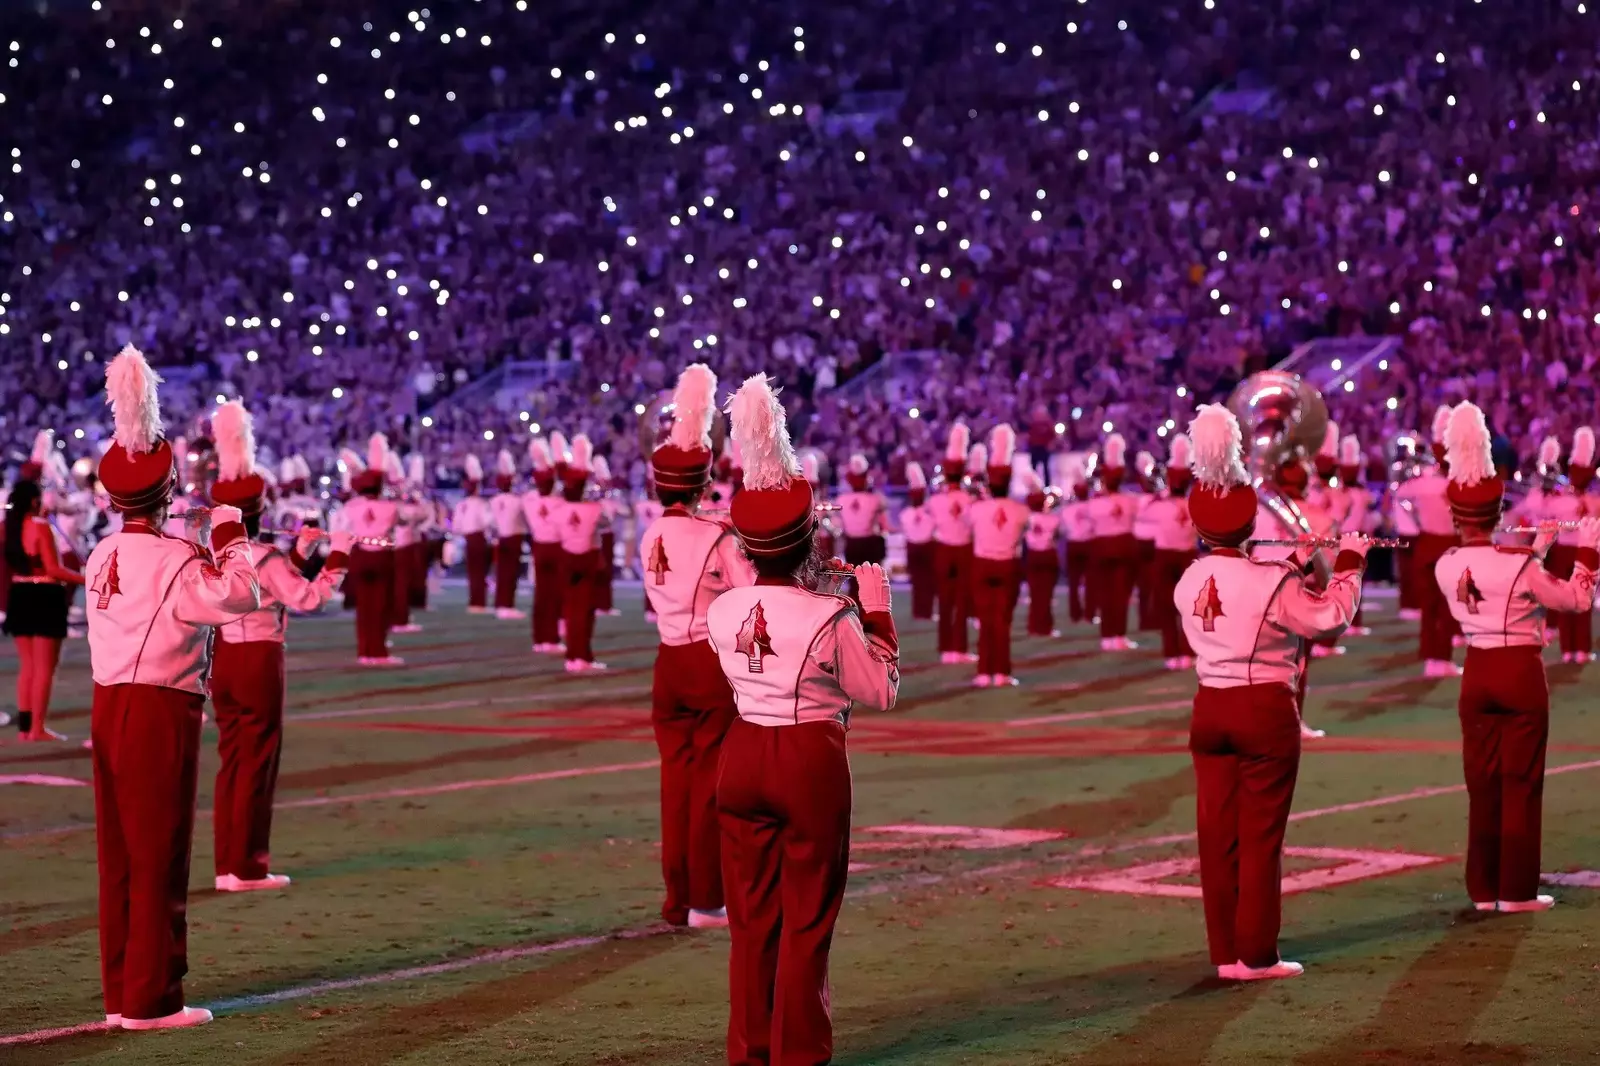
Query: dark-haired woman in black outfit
{"type": "Point", "coordinates": [36, 607]}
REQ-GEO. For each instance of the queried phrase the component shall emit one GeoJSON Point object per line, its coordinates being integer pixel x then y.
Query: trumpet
{"type": "Point", "coordinates": [1568, 525]}
{"type": "Point", "coordinates": [1333, 542]}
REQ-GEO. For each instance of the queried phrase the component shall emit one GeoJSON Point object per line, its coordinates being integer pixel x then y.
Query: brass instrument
{"type": "Point", "coordinates": [1283, 418]}
{"type": "Point", "coordinates": [655, 424]}
{"type": "Point", "coordinates": [1333, 542]}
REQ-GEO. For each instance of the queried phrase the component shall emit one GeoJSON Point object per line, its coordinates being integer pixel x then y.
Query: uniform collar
{"type": "Point", "coordinates": [141, 526]}
{"type": "Point", "coordinates": [1229, 553]}
{"type": "Point", "coordinates": [779, 581]}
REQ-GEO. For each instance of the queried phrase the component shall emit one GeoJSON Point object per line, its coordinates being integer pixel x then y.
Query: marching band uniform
{"type": "Point", "coordinates": [1142, 494]}
{"type": "Point", "coordinates": [1355, 507]}
{"type": "Point", "coordinates": [470, 520]}
{"type": "Point", "coordinates": [247, 684]}
{"type": "Point", "coordinates": [952, 533]}
{"type": "Point", "coordinates": [510, 533]}
{"type": "Point", "coordinates": [580, 522]}
{"type": "Point", "coordinates": [373, 519]}
{"type": "Point", "coordinates": [647, 511]}
{"type": "Point", "coordinates": [1567, 505]}
{"type": "Point", "coordinates": [863, 516]}
{"type": "Point", "coordinates": [1113, 550]}
{"type": "Point", "coordinates": [1078, 526]}
{"type": "Point", "coordinates": [609, 509]}
{"type": "Point", "coordinates": [153, 602]}
{"type": "Point", "coordinates": [1499, 595]}
{"type": "Point", "coordinates": [1175, 547]}
{"type": "Point", "coordinates": [687, 562]}
{"type": "Point", "coordinates": [1043, 560]}
{"type": "Point", "coordinates": [998, 525]}
{"type": "Point", "coordinates": [542, 511]}
{"type": "Point", "coordinates": [916, 526]}
{"type": "Point", "coordinates": [827, 530]}
{"type": "Point", "coordinates": [410, 551]}
{"type": "Point", "coordinates": [1426, 497]}
{"type": "Point", "coordinates": [797, 661]}
{"type": "Point", "coordinates": [1246, 620]}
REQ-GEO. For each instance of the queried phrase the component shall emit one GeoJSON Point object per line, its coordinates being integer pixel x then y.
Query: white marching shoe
{"type": "Point", "coordinates": [182, 1019]}
{"type": "Point", "coordinates": [584, 666]}
{"type": "Point", "coordinates": [1309, 733]}
{"type": "Point", "coordinates": [1489, 906]}
{"type": "Point", "coordinates": [232, 883]}
{"type": "Point", "coordinates": [1410, 614]}
{"type": "Point", "coordinates": [507, 613]}
{"type": "Point", "coordinates": [982, 681]}
{"type": "Point", "coordinates": [1440, 668]}
{"type": "Point", "coordinates": [1240, 972]}
{"type": "Point", "coordinates": [1003, 681]}
{"type": "Point", "coordinates": [1522, 906]}
{"type": "Point", "coordinates": [1319, 651]}
{"type": "Point", "coordinates": [717, 919]}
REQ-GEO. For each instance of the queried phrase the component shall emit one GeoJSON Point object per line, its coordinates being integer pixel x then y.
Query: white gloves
{"type": "Point", "coordinates": [1589, 532]}
{"type": "Point", "coordinates": [1546, 536]}
{"type": "Point", "coordinates": [221, 516]}
{"type": "Point", "coordinates": [1354, 542]}
{"type": "Point", "coordinates": [340, 542]}
{"type": "Point", "coordinates": [872, 588]}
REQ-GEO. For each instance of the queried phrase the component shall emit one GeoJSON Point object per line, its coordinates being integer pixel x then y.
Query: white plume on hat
{"type": "Point", "coordinates": [538, 451]}
{"type": "Point", "coordinates": [235, 435]}
{"type": "Point", "coordinates": [1467, 446]}
{"type": "Point", "coordinates": [602, 469]}
{"type": "Point", "coordinates": [1330, 441]}
{"type": "Point", "coordinates": [44, 446]}
{"type": "Point", "coordinates": [760, 431]}
{"type": "Point", "coordinates": [1180, 452]}
{"type": "Point", "coordinates": [1032, 483]}
{"type": "Point", "coordinates": [915, 478]}
{"type": "Point", "coordinates": [1002, 445]}
{"type": "Point", "coordinates": [1116, 451]}
{"type": "Point", "coordinates": [135, 404]}
{"type": "Point", "coordinates": [393, 469]}
{"type": "Point", "coordinates": [416, 469]}
{"type": "Point", "coordinates": [977, 459]}
{"type": "Point", "coordinates": [1349, 450]}
{"type": "Point", "coordinates": [582, 453]}
{"type": "Point", "coordinates": [1144, 463]}
{"type": "Point", "coordinates": [378, 452]}
{"type": "Point", "coordinates": [810, 467]}
{"type": "Point", "coordinates": [1441, 423]}
{"type": "Point", "coordinates": [558, 448]}
{"type": "Point", "coordinates": [472, 467]}
{"type": "Point", "coordinates": [1218, 448]}
{"type": "Point", "coordinates": [349, 466]}
{"type": "Point", "coordinates": [302, 469]}
{"type": "Point", "coordinates": [1583, 446]}
{"type": "Point", "coordinates": [858, 465]}
{"type": "Point", "coordinates": [288, 469]}
{"type": "Point", "coordinates": [1549, 453]}
{"type": "Point", "coordinates": [694, 407]}
{"type": "Point", "coordinates": [960, 440]}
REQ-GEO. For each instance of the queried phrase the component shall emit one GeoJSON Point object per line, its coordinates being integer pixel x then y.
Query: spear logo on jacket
{"type": "Point", "coordinates": [753, 641]}
{"type": "Point", "coordinates": [106, 583]}
{"type": "Point", "coordinates": [1208, 605]}
{"type": "Point", "coordinates": [658, 561]}
{"type": "Point", "coordinates": [1467, 593]}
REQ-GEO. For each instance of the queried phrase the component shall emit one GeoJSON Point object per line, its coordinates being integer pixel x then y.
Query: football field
{"type": "Point", "coordinates": [474, 846]}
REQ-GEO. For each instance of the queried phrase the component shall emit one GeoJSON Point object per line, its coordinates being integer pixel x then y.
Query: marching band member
{"type": "Point", "coordinates": [470, 520]}
{"type": "Point", "coordinates": [687, 562]}
{"type": "Point", "coordinates": [609, 510]}
{"type": "Point", "coordinates": [510, 529]}
{"type": "Point", "coordinates": [1426, 497]}
{"type": "Point", "coordinates": [1355, 507]}
{"type": "Point", "coordinates": [916, 526]}
{"type": "Point", "coordinates": [350, 464]}
{"type": "Point", "coordinates": [1246, 619]}
{"type": "Point", "coordinates": [863, 515]}
{"type": "Point", "coordinates": [1580, 472]}
{"type": "Point", "coordinates": [1077, 524]}
{"type": "Point", "coordinates": [1142, 493]}
{"type": "Point", "coordinates": [247, 685]}
{"type": "Point", "coordinates": [372, 519]}
{"type": "Point", "coordinates": [580, 522]}
{"type": "Point", "coordinates": [1500, 595]}
{"type": "Point", "coordinates": [647, 511]}
{"type": "Point", "coordinates": [1175, 548]}
{"type": "Point", "coordinates": [952, 534]}
{"type": "Point", "coordinates": [827, 530]}
{"type": "Point", "coordinates": [541, 511]}
{"type": "Point", "coordinates": [797, 661]}
{"type": "Point", "coordinates": [153, 603]}
{"type": "Point", "coordinates": [998, 526]}
{"type": "Point", "coordinates": [1113, 550]}
{"type": "Point", "coordinates": [1043, 560]}
{"type": "Point", "coordinates": [560, 457]}
{"type": "Point", "coordinates": [1566, 504]}
{"type": "Point", "coordinates": [411, 541]}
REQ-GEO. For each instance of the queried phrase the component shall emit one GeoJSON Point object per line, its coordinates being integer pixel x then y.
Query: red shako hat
{"type": "Point", "coordinates": [1476, 491]}
{"type": "Point", "coordinates": [1441, 424]}
{"type": "Point", "coordinates": [1222, 504]}
{"type": "Point", "coordinates": [239, 483]}
{"type": "Point", "coordinates": [682, 463]}
{"type": "Point", "coordinates": [1327, 458]}
{"type": "Point", "coordinates": [1580, 464]}
{"type": "Point", "coordinates": [1002, 447]}
{"type": "Point", "coordinates": [855, 472]}
{"type": "Point", "coordinates": [370, 479]}
{"type": "Point", "coordinates": [1349, 460]}
{"type": "Point", "coordinates": [774, 513]}
{"type": "Point", "coordinates": [954, 466]}
{"type": "Point", "coordinates": [472, 473]}
{"type": "Point", "coordinates": [139, 470]}
{"type": "Point", "coordinates": [1180, 453]}
{"type": "Point", "coordinates": [1037, 498]}
{"type": "Point", "coordinates": [1293, 478]}
{"type": "Point", "coordinates": [916, 483]}
{"type": "Point", "coordinates": [1115, 465]}
{"type": "Point", "coordinates": [544, 468]}
{"type": "Point", "coordinates": [581, 463]}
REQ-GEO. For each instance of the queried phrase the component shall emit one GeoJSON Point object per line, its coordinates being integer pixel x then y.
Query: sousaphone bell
{"type": "Point", "coordinates": [1284, 419]}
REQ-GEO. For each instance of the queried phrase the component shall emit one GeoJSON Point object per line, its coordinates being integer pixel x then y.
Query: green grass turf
{"type": "Point", "coordinates": [944, 955]}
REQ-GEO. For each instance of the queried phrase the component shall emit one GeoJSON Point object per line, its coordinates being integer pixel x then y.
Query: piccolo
{"type": "Point", "coordinates": [1332, 542]}
{"type": "Point", "coordinates": [1569, 524]}
{"type": "Point", "coordinates": [323, 534]}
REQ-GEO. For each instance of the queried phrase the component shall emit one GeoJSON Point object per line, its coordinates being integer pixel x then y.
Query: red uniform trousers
{"type": "Point", "coordinates": [1405, 576]}
{"type": "Point", "coordinates": [608, 564]}
{"type": "Point", "coordinates": [417, 575]}
{"type": "Point", "coordinates": [784, 801]}
{"type": "Point", "coordinates": [507, 570]}
{"type": "Point", "coordinates": [1575, 628]}
{"type": "Point", "coordinates": [992, 581]}
{"type": "Point", "coordinates": [1081, 604]}
{"type": "Point", "coordinates": [919, 569]}
{"type": "Point", "coordinates": [691, 707]}
{"type": "Point", "coordinates": [1168, 567]}
{"type": "Point", "coordinates": [372, 573]}
{"type": "Point", "coordinates": [247, 687]}
{"type": "Point", "coordinates": [1043, 570]}
{"type": "Point", "coordinates": [479, 554]}
{"type": "Point", "coordinates": [580, 580]}
{"type": "Point", "coordinates": [405, 559]}
{"type": "Point", "coordinates": [146, 766]}
{"type": "Point", "coordinates": [1246, 747]}
{"type": "Point", "coordinates": [858, 550]}
{"type": "Point", "coordinates": [953, 569]}
{"type": "Point", "coordinates": [1144, 577]}
{"type": "Point", "coordinates": [1505, 725]}
{"type": "Point", "coordinates": [548, 586]}
{"type": "Point", "coordinates": [1112, 560]}
{"type": "Point", "coordinates": [1438, 626]}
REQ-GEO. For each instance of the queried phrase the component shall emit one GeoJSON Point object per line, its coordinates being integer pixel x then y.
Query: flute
{"type": "Point", "coordinates": [1569, 524]}
{"type": "Point", "coordinates": [820, 508]}
{"type": "Point", "coordinates": [1333, 542]}
{"type": "Point", "coordinates": [322, 534]}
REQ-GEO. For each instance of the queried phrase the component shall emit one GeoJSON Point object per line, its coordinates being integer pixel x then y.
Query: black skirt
{"type": "Point", "coordinates": [37, 609]}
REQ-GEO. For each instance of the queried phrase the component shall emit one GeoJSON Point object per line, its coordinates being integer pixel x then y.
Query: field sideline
{"type": "Point", "coordinates": [473, 842]}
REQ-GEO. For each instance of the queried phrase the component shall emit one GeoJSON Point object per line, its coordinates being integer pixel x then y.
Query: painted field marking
{"type": "Point", "coordinates": [1165, 705]}
{"type": "Point", "coordinates": [1347, 865]}
{"type": "Point", "coordinates": [1576, 879]}
{"type": "Point", "coordinates": [454, 705]}
{"type": "Point", "coordinates": [48, 780]}
{"type": "Point", "coordinates": [961, 837]}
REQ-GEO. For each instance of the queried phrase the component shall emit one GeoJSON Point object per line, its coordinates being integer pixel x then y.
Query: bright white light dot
{"type": "Point", "coordinates": [338, 393]}
{"type": "Point", "coordinates": [1000, 47]}
{"type": "Point", "coordinates": [122, 297]}
{"type": "Point", "coordinates": [1037, 51]}
{"type": "Point", "coordinates": [106, 99]}
{"type": "Point", "coordinates": [1383, 175]}
{"type": "Point", "coordinates": [1377, 109]}
{"type": "Point", "coordinates": [638, 38]}
{"type": "Point", "coordinates": [928, 303]}
{"type": "Point", "coordinates": [1225, 309]}
{"type": "Point", "coordinates": [1312, 162]}
{"type": "Point", "coordinates": [861, 157]}
{"type": "Point", "coordinates": [1355, 53]}
{"type": "Point", "coordinates": [1232, 176]}
{"type": "Point", "coordinates": [1222, 257]}
{"type": "Point", "coordinates": [1155, 157]}
{"type": "Point", "coordinates": [1044, 116]}
{"type": "Point", "coordinates": [1344, 266]}
{"type": "Point", "coordinates": [1038, 215]}
{"type": "Point", "coordinates": [1265, 232]}
{"type": "Point", "coordinates": [1083, 154]}
{"type": "Point", "coordinates": [1392, 403]}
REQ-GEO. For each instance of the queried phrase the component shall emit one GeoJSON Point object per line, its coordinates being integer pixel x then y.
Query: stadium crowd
{"type": "Point", "coordinates": [1078, 215]}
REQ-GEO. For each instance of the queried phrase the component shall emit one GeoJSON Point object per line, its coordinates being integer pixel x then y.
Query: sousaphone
{"type": "Point", "coordinates": [1284, 419]}
{"type": "Point", "coordinates": [655, 425]}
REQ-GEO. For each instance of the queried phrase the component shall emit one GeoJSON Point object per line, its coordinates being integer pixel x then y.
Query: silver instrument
{"type": "Point", "coordinates": [1284, 419]}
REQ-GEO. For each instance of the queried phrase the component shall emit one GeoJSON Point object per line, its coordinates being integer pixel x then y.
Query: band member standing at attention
{"type": "Point", "coordinates": [1113, 550]}
{"type": "Point", "coordinates": [541, 509]}
{"type": "Point", "coordinates": [410, 553]}
{"type": "Point", "coordinates": [247, 686]}
{"type": "Point", "coordinates": [510, 529]}
{"type": "Point", "coordinates": [1142, 494]}
{"type": "Point", "coordinates": [580, 523]}
{"type": "Point", "coordinates": [1500, 596]}
{"type": "Point", "coordinates": [687, 562]}
{"type": "Point", "coordinates": [153, 603]}
{"type": "Point", "coordinates": [1042, 560]}
{"type": "Point", "coordinates": [610, 511]}
{"type": "Point", "coordinates": [952, 534]}
{"type": "Point", "coordinates": [1077, 525]}
{"type": "Point", "coordinates": [998, 526]}
{"type": "Point", "coordinates": [1356, 507]}
{"type": "Point", "coordinates": [916, 526]}
{"type": "Point", "coordinates": [1176, 546]}
{"type": "Point", "coordinates": [863, 515]}
{"type": "Point", "coordinates": [798, 661]}
{"type": "Point", "coordinates": [1246, 620]}
{"type": "Point", "coordinates": [471, 520]}
{"type": "Point", "coordinates": [371, 518]}
{"type": "Point", "coordinates": [1566, 504]}
{"type": "Point", "coordinates": [1426, 497]}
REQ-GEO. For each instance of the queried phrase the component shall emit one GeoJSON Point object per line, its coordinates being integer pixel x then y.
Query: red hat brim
{"type": "Point", "coordinates": [139, 482]}
{"type": "Point", "coordinates": [245, 493]}
{"type": "Point", "coordinates": [774, 521]}
{"type": "Point", "coordinates": [681, 469]}
{"type": "Point", "coordinates": [1477, 504]}
{"type": "Point", "coordinates": [1226, 516]}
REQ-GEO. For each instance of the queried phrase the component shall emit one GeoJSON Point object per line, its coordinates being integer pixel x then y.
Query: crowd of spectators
{"type": "Point", "coordinates": [1080, 214]}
